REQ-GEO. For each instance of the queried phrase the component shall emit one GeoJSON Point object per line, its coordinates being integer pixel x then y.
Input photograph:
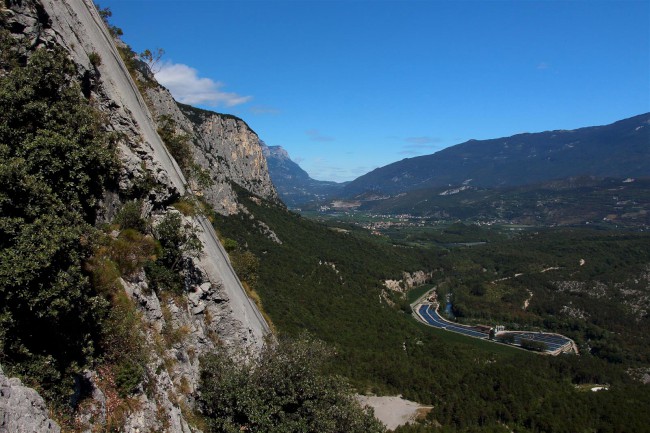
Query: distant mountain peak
{"type": "Point", "coordinates": [294, 184]}
{"type": "Point", "coordinates": [277, 152]}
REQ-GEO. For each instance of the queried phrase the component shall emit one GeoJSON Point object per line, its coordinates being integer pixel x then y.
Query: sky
{"type": "Point", "coordinates": [346, 86]}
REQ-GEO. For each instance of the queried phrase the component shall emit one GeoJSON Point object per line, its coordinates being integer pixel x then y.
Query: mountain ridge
{"type": "Point", "coordinates": [619, 149]}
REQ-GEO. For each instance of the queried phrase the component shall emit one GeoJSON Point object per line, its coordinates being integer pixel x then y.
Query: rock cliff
{"type": "Point", "coordinates": [223, 145]}
{"type": "Point", "coordinates": [213, 312]}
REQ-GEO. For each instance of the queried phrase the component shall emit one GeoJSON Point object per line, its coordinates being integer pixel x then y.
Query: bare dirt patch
{"type": "Point", "coordinates": [394, 411]}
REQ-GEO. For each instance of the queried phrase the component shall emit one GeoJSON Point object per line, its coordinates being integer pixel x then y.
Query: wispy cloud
{"type": "Point", "coordinates": [315, 135]}
{"type": "Point", "coordinates": [187, 87]}
{"type": "Point", "coordinates": [409, 152]}
{"type": "Point", "coordinates": [264, 109]}
{"type": "Point", "coordinates": [420, 145]}
{"type": "Point", "coordinates": [543, 65]}
{"type": "Point", "coordinates": [423, 140]}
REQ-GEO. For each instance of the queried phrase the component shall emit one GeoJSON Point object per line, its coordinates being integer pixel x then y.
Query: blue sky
{"type": "Point", "coordinates": [350, 85]}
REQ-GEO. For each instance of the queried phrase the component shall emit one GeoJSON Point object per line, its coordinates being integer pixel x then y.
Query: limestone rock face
{"type": "Point", "coordinates": [213, 312]}
{"type": "Point", "coordinates": [223, 145]}
{"type": "Point", "coordinates": [408, 281]}
{"type": "Point", "coordinates": [77, 27]}
{"type": "Point", "coordinates": [22, 410]}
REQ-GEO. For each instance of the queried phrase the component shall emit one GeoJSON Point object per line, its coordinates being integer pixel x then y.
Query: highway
{"type": "Point", "coordinates": [432, 317]}
{"type": "Point", "coordinates": [553, 341]}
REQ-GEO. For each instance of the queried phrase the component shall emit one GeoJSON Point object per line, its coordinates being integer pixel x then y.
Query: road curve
{"type": "Point", "coordinates": [431, 317]}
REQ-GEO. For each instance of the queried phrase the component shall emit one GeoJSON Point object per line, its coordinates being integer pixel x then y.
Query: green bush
{"type": "Point", "coordinates": [130, 216]}
{"type": "Point", "coordinates": [229, 244]}
{"type": "Point", "coordinates": [177, 143]}
{"type": "Point", "coordinates": [128, 376]}
{"type": "Point", "coordinates": [246, 265]}
{"type": "Point", "coordinates": [95, 59]}
{"type": "Point", "coordinates": [55, 163]}
{"type": "Point", "coordinates": [177, 241]}
{"type": "Point", "coordinates": [283, 390]}
{"type": "Point", "coordinates": [131, 250]}
{"type": "Point", "coordinates": [123, 343]}
{"type": "Point", "coordinates": [162, 278]}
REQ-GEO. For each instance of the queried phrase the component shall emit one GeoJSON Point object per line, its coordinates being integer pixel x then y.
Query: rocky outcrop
{"type": "Point", "coordinates": [22, 410]}
{"type": "Point", "coordinates": [223, 145]}
{"type": "Point", "coordinates": [408, 281]}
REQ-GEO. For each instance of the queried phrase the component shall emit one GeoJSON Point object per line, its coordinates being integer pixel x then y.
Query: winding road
{"type": "Point", "coordinates": [431, 316]}
{"type": "Point", "coordinates": [555, 343]}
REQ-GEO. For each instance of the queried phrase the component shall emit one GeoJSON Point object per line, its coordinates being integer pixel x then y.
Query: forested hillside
{"type": "Point", "coordinates": [617, 150]}
{"type": "Point", "coordinates": [328, 280]}
{"type": "Point", "coordinates": [608, 202]}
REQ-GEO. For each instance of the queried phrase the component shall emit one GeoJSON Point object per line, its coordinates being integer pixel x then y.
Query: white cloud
{"type": "Point", "coordinates": [187, 87]}
{"type": "Point", "coordinates": [315, 135]}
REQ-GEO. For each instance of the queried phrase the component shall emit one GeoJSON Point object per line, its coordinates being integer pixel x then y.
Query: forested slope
{"type": "Point", "coordinates": [327, 280]}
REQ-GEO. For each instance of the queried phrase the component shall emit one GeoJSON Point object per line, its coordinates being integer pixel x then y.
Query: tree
{"type": "Point", "coordinates": [152, 59]}
{"type": "Point", "coordinates": [283, 390]}
{"type": "Point", "coordinates": [178, 241]}
{"type": "Point", "coordinates": [55, 163]}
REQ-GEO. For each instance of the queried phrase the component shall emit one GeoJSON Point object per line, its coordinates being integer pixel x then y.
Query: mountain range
{"type": "Point", "coordinates": [621, 149]}
{"type": "Point", "coordinates": [618, 150]}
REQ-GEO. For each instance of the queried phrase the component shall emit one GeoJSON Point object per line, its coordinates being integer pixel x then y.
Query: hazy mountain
{"type": "Point", "coordinates": [621, 149]}
{"type": "Point", "coordinates": [293, 183]}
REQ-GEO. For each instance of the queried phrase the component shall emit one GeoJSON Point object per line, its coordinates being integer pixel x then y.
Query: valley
{"type": "Point", "coordinates": [162, 269]}
{"type": "Point", "coordinates": [333, 289]}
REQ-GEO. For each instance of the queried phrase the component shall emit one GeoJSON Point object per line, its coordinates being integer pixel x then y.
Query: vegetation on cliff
{"type": "Point", "coordinates": [283, 389]}
{"type": "Point", "coordinates": [55, 162]}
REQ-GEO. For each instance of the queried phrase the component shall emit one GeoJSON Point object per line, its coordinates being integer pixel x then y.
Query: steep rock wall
{"type": "Point", "coordinates": [215, 311]}
{"type": "Point", "coordinates": [223, 145]}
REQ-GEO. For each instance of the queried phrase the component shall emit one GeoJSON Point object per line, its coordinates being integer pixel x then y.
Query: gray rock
{"type": "Point", "coordinates": [224, 146]}
{"type": "Point", "coordinates": [22, 409]}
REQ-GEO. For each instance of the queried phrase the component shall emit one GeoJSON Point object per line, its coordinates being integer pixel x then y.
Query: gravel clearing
{"type": "Point", "coordinates": [394, 411]}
